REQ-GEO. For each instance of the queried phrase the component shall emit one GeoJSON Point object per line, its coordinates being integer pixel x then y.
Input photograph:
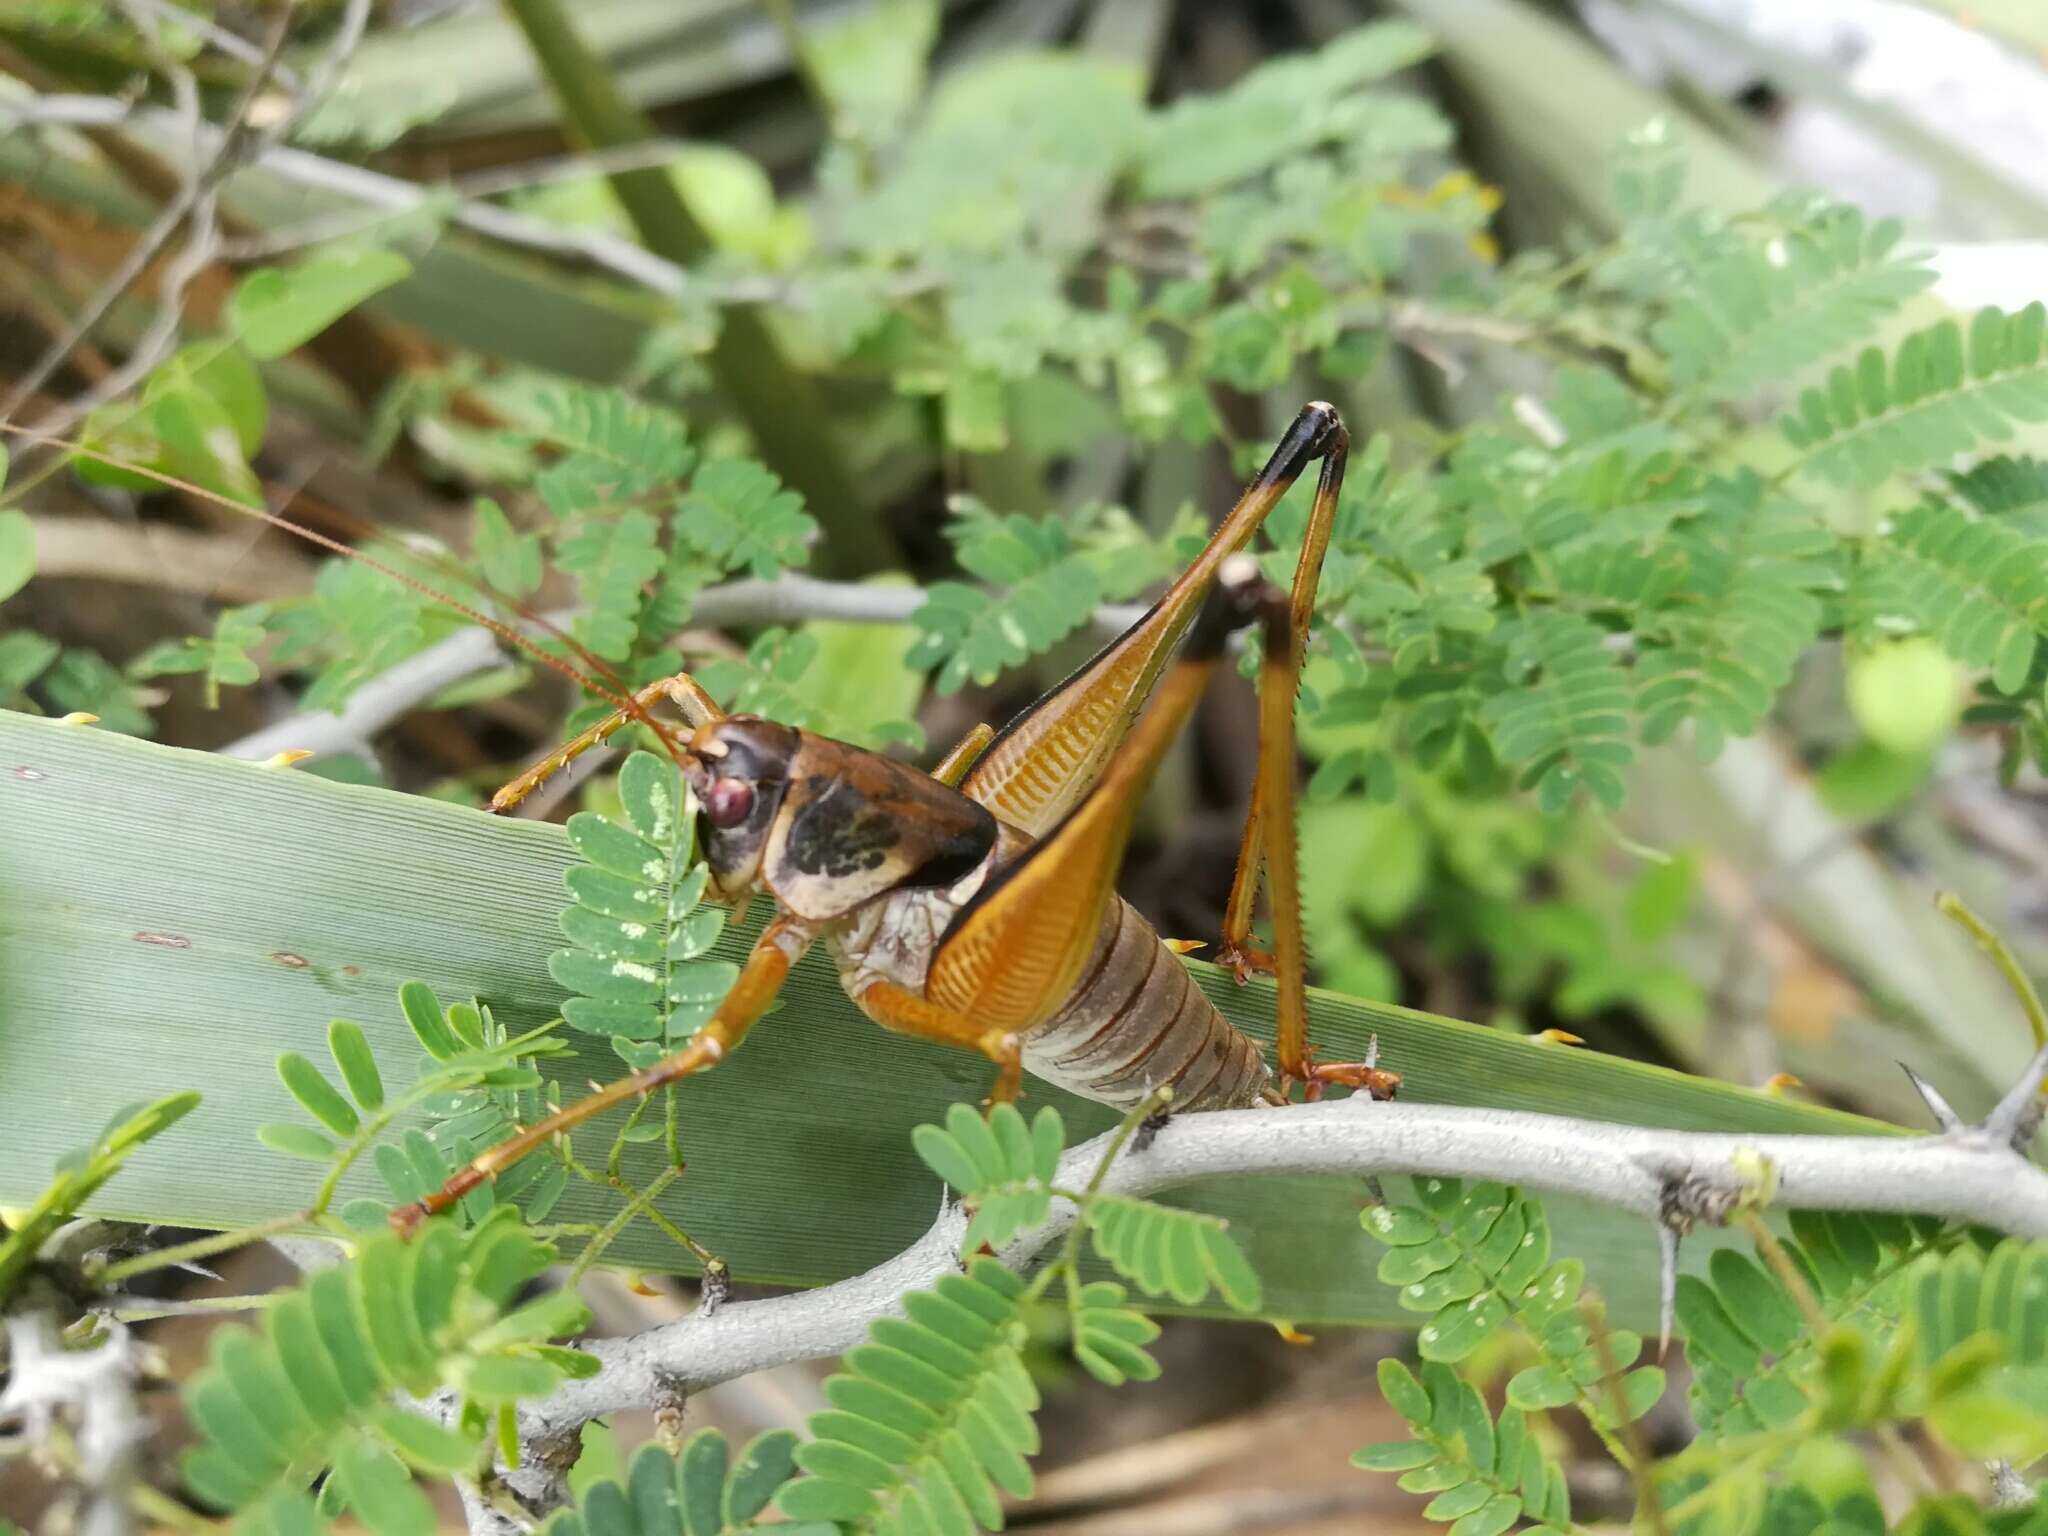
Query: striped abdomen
{"type": "Point", "coordinates": [1136, 1020]}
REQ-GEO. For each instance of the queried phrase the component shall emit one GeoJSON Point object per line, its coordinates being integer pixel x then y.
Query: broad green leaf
{"type": "Point", "coordinates": [224, 373]}
{"type": "Point", "coordinates": [357, 882]}
{"type": "Point", "coordinates": [276, 310]}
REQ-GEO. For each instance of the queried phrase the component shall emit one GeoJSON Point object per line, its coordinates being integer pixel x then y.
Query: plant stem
{"type": "Point", "coordinates": [704, 1256]}
{"type": "Point", "coordinates": [1637, 1460]}
{"type": "Point", "coordinates": [140, 1309]}
{"type": "Point", "coordinates": [1070, 1250]}
{"type": "Point", "coordinates": [1818, 1324]}
{"type": "Point", "coordinates": [201, 1247]}
{"type": "Point", "coordinates": [837, 124]}
{"type": "Point", "coordinates": [780, 406]}
{"type": "Point", "coordinates": [608, 1234]}
{"type": "Point", "coordinates": [1951, 905]}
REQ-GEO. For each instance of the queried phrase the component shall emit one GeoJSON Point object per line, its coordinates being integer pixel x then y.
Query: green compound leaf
{"type": "Point", "coordinates": [932, 1417]}
{"type": "Point", "coordinates": [637, 931]}
{"type": "Point", "coordinates": [312, 1388]}
{"type": "Point", "coordinates": [1936, 397]}
{"type": "Point", "coordinates": [738, 516]}
{"type": "Point", "coordinates": [1755, 1364]}
{"type": "Point", "coordinates": [1978, 586]}
{"type": "Point", "coordinates": [1171, 1252]}
{"type": "Point", "coordinates": [1477, 1257]}
{"type": "Point", "coordinates": [316, 1095]}
{"type": "Point", "coordinates": [1486, 1472]}
{"type": "Point", "coordinates": [1759, 314]}
{"type": "Point", "coordinates": [1565, 720]}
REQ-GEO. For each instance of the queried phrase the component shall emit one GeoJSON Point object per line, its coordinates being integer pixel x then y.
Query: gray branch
{"type": "Point", "coordinates": [1973, 1175]}
{"type": "Point", "coordinates": [786, 600]}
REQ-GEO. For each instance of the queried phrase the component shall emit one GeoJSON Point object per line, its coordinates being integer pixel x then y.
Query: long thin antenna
{"type": "Point", "coordinates": [613, 689]}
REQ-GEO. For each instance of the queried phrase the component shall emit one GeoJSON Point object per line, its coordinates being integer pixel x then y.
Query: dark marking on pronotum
{"type": "Point", "coordinates": [164, 940]}
{"type": "Point", "coordinates": [839, 834]}
{"type": "Point", "coordinates": [29, 775]}
{"type": "Point", "coordinates": [286, 958]}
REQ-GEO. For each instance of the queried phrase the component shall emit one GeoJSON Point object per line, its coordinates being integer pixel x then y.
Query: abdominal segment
{"type": "Point", "coordinates": [1137, 1020]}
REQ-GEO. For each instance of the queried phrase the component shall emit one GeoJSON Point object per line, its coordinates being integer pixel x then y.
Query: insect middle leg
{"type": "Point", "coordinates": [682, 690]}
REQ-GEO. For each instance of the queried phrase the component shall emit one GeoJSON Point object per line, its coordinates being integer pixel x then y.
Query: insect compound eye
{"type": "Point", "coordinates": [728, 802]}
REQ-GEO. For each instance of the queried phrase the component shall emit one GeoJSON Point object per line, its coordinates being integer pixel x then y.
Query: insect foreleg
{"type": "Point", "coordinates": [778, 948]}
{"type": "Point", "coordinates": [682, 690]}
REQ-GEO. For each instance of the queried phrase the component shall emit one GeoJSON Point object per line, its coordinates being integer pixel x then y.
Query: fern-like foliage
{"type": "Point", "coordinates": [1754, 1361]}
{"type": "Point", "coordinates": [638, 930]}
{"type": "Point", "coordinates": [1001, 1167]}
{"type": "Point", "coordinates": [1954, 1341]}
{"type": "Point", "coordinates": [781, 678]}
{"type": "Point", "coordinates": [1981, 1328]}
{"type": "Point", "coordinates": [610, 447]}
{"type": "Point", "coordinates": [930, 1421]}
{"type": "Point", "coordinates": [1719, 643]}
{"type": "Point", "coordinates": [1564, 721]}
{"type": "Point", "coordinates": [699, 1490]}
{"type": "Point", "coordinates": [2013, 490]}
{"type": "Point", "coordinates": [474, 1077]}
{"type": "Point", "coordinates": [613, 558]}
{"type": "Point", "coordinates": [1050, 591]}
{"type": "Point", "coordinates": [313, 1389]}
{"type": "Point", "coordinates": [738, 517]}
{"type": "Point", "coordinates": [1049, 575]}
{"type": "Point", "coordinates": [1487, 1474]}
{"type": "Point", "coordinates": [1756, 315]}
{"type": "Point", "coordinates": [1934, 398]}
{"type": "Point", "coordinates": [1477, 1258]}
{"type": "Point", "coordinates": [464, 1121]}
{"type": "Point", "coordinates": [1979, 585]}
{"type": "Point", "coordinates": [1005, 1172]}
{"type": "Point", "coordinates": [1170, 1252]}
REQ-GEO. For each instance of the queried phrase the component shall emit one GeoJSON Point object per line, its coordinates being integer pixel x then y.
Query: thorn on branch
{"type": "Point", "coordinates": [1937, 1106]}
{"type": "Point", "coordinates": [2017, 1116]}
{"type": "Point", "coordinates": [1667, 1287]}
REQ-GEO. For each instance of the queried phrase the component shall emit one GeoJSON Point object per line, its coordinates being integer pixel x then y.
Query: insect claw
{"type": "Point", "coordinates": [1245, 962]}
